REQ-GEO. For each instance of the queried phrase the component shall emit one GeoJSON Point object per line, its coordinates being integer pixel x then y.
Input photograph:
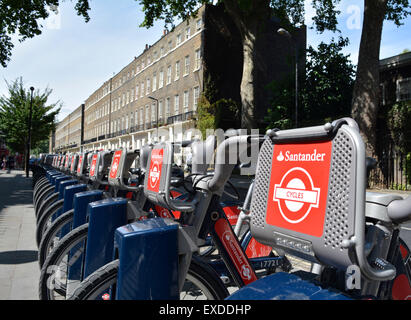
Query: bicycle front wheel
{"type": "Point", "coordinates": [202, 283]}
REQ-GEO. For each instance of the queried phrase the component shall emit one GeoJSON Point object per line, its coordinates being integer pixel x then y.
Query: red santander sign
{"type": "Point", "coordinates": [298, 187]}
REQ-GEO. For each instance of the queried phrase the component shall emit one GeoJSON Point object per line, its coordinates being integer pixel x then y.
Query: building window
{"type": "Point", "coordinates": [123, 101]}
{"type": "Point", "coordinates": [177, 74]}
{"type": "Point", "coordinates": [176, 104]}
{"type": "Point", "coordinates": [141, 116]}
{"type": "Point", "coordinates": [132, 95]}
{"type": "Point", "coordinates": [154, 82]}
{"type": "Point", "coordinates": [198, 59]}
{"type": "Point", "coordinates": [137, 87]}
{"type": "Point", "coordinates": [128, 97]}
{"type": "Point", "coordinates": [188, 32]}
{"type": "Point", "coordinates": [160, 109]}
{"type": "Point", "coordinates": [185, 101]}
{"type": "Point", "coordinates": [142, 89]}
{"type": "Point", "coordinates": [178, 40]}
{"type": "Point", "coordinates": [196, 95]}
{"type": "Point", "coordinates": [186, 65]}
{"type": "Point", "coordinates": [161, 52]}
{"type": "Point", "coordinates": [136, 116]}
{"type": "Point", "coordinates": [168, 74]}
{"type": "Point", "coordinates": [161, 79]}
{"type": "Point", "coordinates": [148, 86]}
{"type": "Point", "coordinates": [147, 113]}
{"type": "Point", "coordinates": [170, 45]}
{"type": "Point", "coordinates": [148, 60]}
{"type": "Point", "coordinates": [199, 23]}
{"type": "Point", "coordinates": [153, 112]}
{"type": "Point", "coordinates": [404, 89]}
{"type": "Point", "coordinates": [167, 107]}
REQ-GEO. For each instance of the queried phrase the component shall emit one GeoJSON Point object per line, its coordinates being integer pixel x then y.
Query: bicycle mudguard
{"type": "Point", "coordinates": [285, 286]}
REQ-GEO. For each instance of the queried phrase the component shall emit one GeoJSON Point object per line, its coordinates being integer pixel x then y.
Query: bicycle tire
{"type": "Point", "coordinates": [42, 195]}
{"type": "Point", "coordinates": [41, 181]}
{"type": "Point", "coordinates": [48, 213]}
{"type": "Point", "coordinates": [51, 232]}
{"type": "Point", "coordinates": [69, 241]}
{"type": "Point", "coordinates": [45, 204]}
{"type": "Point", "coordinates": [39, 184]}
{"type": "Point", "coordinates": [199, 274]}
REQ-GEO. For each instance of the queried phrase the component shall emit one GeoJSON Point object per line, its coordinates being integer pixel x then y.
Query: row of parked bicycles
{"type": "Point", "coordinates": [130, 224]}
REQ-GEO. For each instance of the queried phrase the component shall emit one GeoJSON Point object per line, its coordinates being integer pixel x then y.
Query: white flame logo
{"type": "Point", "coordinates": [280, 157]}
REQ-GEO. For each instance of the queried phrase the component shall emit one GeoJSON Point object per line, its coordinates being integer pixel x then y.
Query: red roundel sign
{"type": "Point", "coordinates": [93, 165]}
{"type": "Point", "coordinates": [298, 187]}
{"type": "Point", "coordinates": [115, 163]}
{"type": "Point", "coordinates": [154, 174]}
{"type": "Point", "coordinates": [80, 162]}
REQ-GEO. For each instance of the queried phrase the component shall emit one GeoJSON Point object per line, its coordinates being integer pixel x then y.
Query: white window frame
{"type": "Point", "coordinates": [186, 65]}
{"type": "Point", "coordinates": [169, 74]}
{"type": "Point", "coordinates": [176, 104]}
{"type": "Point", "coordinates": [185, 100]}
{"type": "Point", "coordinates": [177, 71]}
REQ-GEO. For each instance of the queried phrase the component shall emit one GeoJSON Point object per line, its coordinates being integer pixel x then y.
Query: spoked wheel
{"type": "Point", "coordinates": [53, 284]}
{"type": "Point", "coordinates": [53, 235]}
{"type": "Point", "coordinates": [202, 283]}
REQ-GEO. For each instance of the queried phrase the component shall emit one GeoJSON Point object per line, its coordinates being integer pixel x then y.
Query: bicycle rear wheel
{"type": "Point", "coordinates": [52, 235]}
{"type": "Point", "coordinates": [53, 275]}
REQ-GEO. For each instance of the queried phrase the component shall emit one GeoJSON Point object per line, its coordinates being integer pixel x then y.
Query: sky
{"type": "Point", "coordinates": [74, 58]}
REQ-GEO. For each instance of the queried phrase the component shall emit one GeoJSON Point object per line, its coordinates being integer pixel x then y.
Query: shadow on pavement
{"type": "Point", "coordinates": [15, 190]}
{"type": "Point", "coordinates": [18, 257]}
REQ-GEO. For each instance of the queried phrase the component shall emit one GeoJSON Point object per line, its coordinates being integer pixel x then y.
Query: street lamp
{"type": "Point", "coordinates": [156, 100]}
{"type": "Point", "coordinates": [283, 32]}
{"type": "Point", "coordinates": [29, 133]}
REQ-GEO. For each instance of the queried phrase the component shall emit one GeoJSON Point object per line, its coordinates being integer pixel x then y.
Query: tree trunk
{"type": "Point", "coordinates": [250, 22]}
{"type": "Point", "coordinates": [365, 101]}
{"type": "Point", "coordinates": [247, 87]}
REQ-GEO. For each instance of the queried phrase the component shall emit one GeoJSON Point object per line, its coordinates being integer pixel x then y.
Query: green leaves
{"type": "Point", "coordinates": [24, 19]}
{"type": "Point", "coordinates": [14, 115]}
{"type": "Point", "coordinates": [325, 91]}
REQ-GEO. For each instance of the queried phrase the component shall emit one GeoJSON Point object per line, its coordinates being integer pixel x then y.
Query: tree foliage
{"type": "Point", "coordinates": [14, 116]}
{"type": "Point", "coordinates": [23, 18]}
{"type": "Point", "coordinates": [326, 89]}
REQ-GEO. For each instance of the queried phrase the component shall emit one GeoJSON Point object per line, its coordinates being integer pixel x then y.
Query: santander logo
{"type": "Point", "coordinates": [288, 156]}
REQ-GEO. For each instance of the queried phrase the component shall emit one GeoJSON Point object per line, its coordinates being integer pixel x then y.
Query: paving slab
{"type": "Point", "coordinates": [19, 269]}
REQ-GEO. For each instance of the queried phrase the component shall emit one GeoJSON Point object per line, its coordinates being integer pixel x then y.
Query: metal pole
{"type": "Point", "coordinates": [296, 85]}
{"type": "Point", "coordinates": [284, 32]}
{"type": "Point", "coordinates": [29, 133]}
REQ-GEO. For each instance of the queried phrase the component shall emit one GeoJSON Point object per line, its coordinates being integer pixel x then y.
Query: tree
{"type": "Point", "coordinates": [328, 85]}
{"type": "Point", "coordinates": [14, 116]}
{"type": "Point", "coordinates": [22, 18]}
{"type": "Point", "coordinates": [365, 102]}
{"type": "Point", "coordinates": [326, 89]}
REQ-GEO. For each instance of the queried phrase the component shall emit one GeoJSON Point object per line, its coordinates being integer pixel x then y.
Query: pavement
{"type": "Point", "coordinates": [19, 269]}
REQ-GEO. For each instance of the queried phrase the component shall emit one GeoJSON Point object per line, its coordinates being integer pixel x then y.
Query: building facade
{"type": "Point", "coordinates": [155, 96]}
